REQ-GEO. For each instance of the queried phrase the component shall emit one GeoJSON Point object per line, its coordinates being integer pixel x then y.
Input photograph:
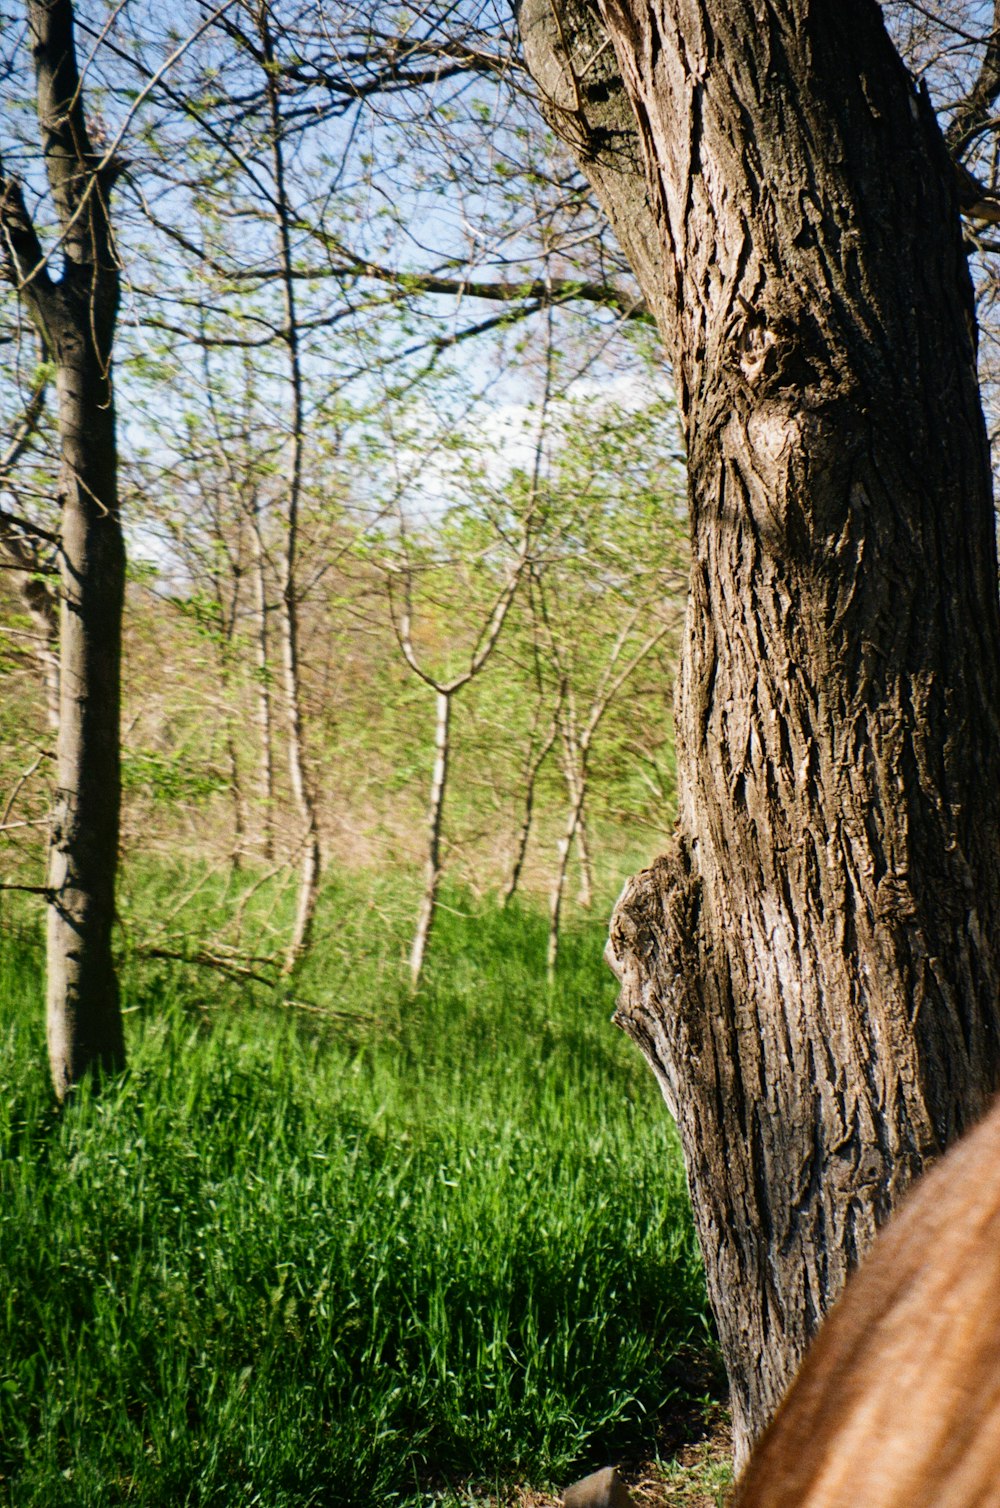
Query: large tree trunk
{"type": "Point", "coordinates": [813, 971]}
{"type": "Point", "coordinates": [75, 317]}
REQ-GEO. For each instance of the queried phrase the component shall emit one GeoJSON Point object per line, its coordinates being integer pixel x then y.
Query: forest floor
{"type": "Point", "coordinates": [697, 1474]}
{"type": "Point", "coordinates": [380, 1250]}
{"type": "Point", "coordinates": [694, 1469]}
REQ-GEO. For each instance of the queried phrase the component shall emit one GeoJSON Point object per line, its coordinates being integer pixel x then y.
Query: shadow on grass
{"type": "Point", "coordinates": [294, 1261]}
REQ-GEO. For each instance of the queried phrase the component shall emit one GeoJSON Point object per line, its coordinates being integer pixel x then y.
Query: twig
{"type": "Point", "coordinates": [18, 787]}
{"type": "Point", "coordinates": [207, 961]}
{"type": "Point", "coordinates": [327, 1010]}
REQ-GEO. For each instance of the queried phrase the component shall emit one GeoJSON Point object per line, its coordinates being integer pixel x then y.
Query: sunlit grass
{"type": "Point", "coordinates": [354, 1259]}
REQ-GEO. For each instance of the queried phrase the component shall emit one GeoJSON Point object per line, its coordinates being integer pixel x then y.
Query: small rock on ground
{"type": "Point", "coordinates": [698, 1476]}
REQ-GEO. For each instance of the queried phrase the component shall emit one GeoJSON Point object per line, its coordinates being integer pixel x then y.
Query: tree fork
{"type": "Point", "coordinates": [813, 972]}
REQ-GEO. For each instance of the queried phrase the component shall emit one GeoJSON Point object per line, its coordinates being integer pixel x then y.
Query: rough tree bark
{"type": "Point", "coordinates": [75, 316]}
{"type": "Point", "coordinates": [812, 971]}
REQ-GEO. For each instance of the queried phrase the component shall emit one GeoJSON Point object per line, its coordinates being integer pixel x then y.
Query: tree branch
{"type": "Point", "coordinates": [25, 429]}
{"type": "Point", "coordinates": [972, 114]}
{"type": "Point", "coordinates": [71, 165]}
{"type": "Point", "coordinates": [203, 960]}
{"type": "Point", "coordinates": [25, 526]}
{"type": "Point", "coordinates": [23, 258]}
{"type": "Point", "coordinates": [539, 291]}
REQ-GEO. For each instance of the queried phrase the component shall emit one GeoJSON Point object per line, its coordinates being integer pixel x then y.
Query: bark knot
{"type": "Point", "coordinates": [653, 945]}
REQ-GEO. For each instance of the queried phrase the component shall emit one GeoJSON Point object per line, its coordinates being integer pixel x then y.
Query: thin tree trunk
{"type": "Point", "coordinates": [574, 764]}
{"type": "Point", "coordinates": [84, 1017]}
{"type": "Point", "coordinates": [813, 971]}
{"type": "Point", "coordinates": [485, 644]}
{"type": "Point", "coordinates": [49, 655]}
{"type": "Point", "coordinates": [309, 866]}
{"type": "Point", "coordinates": [75, 317]}
{"type": "Point", "coordinates": [559, 880]}
{"type": "Point", "coordinates": [524, 832]}
{"type": "Point", "coordinates": [264, 713]}
{"type": "Point", "coordinates": [435, 814]}
{"type": "Point", "coordinates": [227, 613]}
{"type": "Point", "coordinates": [585, 894]}
{"type": "Point", "coordinates": [239, 814]}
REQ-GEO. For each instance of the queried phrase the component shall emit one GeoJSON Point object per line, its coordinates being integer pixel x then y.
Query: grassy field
{"type": "Point", "coordinates": [372, 1251]}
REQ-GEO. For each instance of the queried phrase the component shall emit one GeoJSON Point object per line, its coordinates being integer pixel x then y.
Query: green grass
{"type": "Point", "coordinates": [299, 1259]}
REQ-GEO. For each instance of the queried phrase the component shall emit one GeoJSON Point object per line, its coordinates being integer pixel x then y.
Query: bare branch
{"type": "Point", "coordinates": [19, 785]}
{"type": "Point", "coordinates": [25, 429]}
{"type": "Point", "coordinates": [204, 960]}
{"type": "Point", "coordinates": [972, 114]}
{"type": "Point", "coordinates": [23, 258]}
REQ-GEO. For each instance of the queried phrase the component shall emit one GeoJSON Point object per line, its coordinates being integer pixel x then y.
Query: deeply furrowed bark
{"type": "Point", "coordinates": [813, 971]}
